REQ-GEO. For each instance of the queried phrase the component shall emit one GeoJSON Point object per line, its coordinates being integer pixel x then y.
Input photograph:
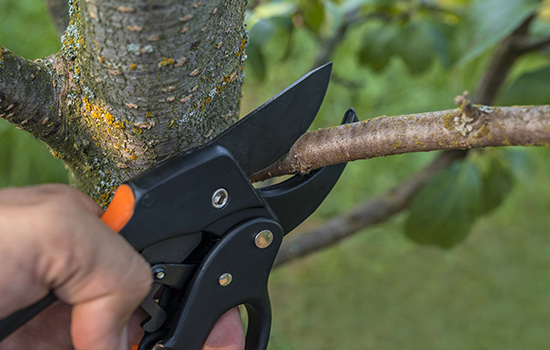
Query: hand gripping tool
{"type": "Point", "coordinates": [210, 236]}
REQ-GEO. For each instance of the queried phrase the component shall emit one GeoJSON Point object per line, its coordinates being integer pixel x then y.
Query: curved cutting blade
{"type": "Point", "coordinates": [295, 199]}
{"type": "Point", "coordinates": [266, 134]}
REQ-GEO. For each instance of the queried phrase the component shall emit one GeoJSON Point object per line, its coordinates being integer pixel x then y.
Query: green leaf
{"type": "Point", "coordinates": [417, 48]}
{"type": "Point", "coordinates": [445, 209]}
{"type": "Point", "coordinates": [313, 12]}
{"type": "Point", "coordinates": [269, 10]}
{"type": "Point", "coordinates": [256, 60]}
{"type": "Point", "coordinates": [529, 89]}
{"type": "Point", "coordinates": [498, 182]}
{"type": "Point", "coordinates": [378, 45]}
{"type": "Point", "coordinates": [492, 20]}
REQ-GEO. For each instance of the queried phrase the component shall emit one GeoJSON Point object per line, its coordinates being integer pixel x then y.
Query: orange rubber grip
{"type": "Point", "coordinates": [119, 212]}
{"type": "Point", "coordinates": [121, 209]}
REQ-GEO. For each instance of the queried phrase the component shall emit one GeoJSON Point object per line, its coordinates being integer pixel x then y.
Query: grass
{"type": "Point", "coordinates": [378, 290]}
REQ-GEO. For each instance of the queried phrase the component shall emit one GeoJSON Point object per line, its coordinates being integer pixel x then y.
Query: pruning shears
{"type": "Point", "coordinates": [210, 236]}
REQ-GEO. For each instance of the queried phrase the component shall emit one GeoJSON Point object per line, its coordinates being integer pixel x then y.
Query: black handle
{"type": "Point", "coordinates": [259, 323]}
{"type": "Point", "coordinates": [12, 322]}
{"type": "Point", "coordinates": [235, 272]}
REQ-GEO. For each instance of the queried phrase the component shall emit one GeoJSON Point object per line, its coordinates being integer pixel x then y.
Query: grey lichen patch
{"type": "Point", "coordinates": [72, 41]}
{"type": "Point", "coordinates": [147, 49]}
{"type": "Point", "coordinates": [134, 49]}
{"type": "Point", "coordinates": [463, 123]}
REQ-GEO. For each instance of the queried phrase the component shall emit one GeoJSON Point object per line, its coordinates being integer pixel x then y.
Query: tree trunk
{"type": "Point", "coordinates": [133, 84]}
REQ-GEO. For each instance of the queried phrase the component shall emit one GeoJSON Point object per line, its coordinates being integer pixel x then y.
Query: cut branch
{"type": "Point", "coordinates": [460, 128]}
{"type": "Point", "coordinates": [28, 96]}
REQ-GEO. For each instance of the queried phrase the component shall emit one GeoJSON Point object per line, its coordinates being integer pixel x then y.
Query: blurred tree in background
{"type": "Point", "coordinates": [380, 289]}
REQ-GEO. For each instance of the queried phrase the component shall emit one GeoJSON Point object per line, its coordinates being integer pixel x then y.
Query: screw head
{"type": "Point", "coordinates": [220, 198]}
{"type": "Point", "coordinates": [160, 274]}
{"type": "Point", "coordinates": [225, 279]}
{"type": "Point", "coordinates": [263, 239]}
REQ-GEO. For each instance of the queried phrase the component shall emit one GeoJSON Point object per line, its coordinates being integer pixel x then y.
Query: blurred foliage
{"type": "Point", "coordinates": [380, 290]}
{"type": "Point", "coordinates": [25, 160]}
{"type": "Point", "coordinates": [26, 29]}
{"type": "Point", "coordinates": [406, 56]}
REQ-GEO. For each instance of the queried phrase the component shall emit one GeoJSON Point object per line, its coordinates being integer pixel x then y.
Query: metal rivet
{"type": "Point", "coordinates": [263, 239]}
{"type": "Point", "coordinates": [220, 198]}
{"type": "Point", "coordinates": [160, 274]}
{"type": "Point", "coordinates": [149, 201]}
{"type": "Point", "coordinates": [225, 279]}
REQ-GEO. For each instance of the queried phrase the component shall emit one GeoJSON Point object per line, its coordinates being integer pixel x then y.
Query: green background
{"type": "Point", "coordinates": [378, 289]}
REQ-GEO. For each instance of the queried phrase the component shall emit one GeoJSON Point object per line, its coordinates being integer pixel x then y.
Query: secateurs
{"type": "Point", "coordinates": [209, 235]}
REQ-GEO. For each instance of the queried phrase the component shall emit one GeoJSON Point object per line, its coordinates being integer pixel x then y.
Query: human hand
{"type": "Point", "coordinates": [52, 239]}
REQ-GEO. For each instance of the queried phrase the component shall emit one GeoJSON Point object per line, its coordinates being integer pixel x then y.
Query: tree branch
{"type": "Point", "coordinates": [59, 12]}
{"type": "Point", "coordinates": [535, 45]}
{"type": "Point", "coordinates": [506, 54]}
{"type": "Point", "coordinates": [460, 128]}
{"type": "Point", "coordinates": [367, 214]}
{"type": "Point", "coordinates": [28, 96]}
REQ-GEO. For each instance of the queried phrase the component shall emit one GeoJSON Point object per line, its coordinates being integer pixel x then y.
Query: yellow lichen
{"type": "Point", "coordinates": [133, 66]}
{"type": "Point", "coordinates": [483, 131]}
{"type": "Point", "coordinates": [166, 62]}
{"type": "Point", "coordinates": [97, 112]}
{"type": "Point", "coordinates": [56, 154]}
{"type": "Point", "coordinates": [241, 48]}
{"type": "Point", "coordinates": [448, 121]}
{"type": "Point", "coordinates": [397, 144]}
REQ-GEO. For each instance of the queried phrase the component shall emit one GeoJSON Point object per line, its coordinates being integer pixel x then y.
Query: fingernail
{"type": "Point", "coordinates": [123, 340]}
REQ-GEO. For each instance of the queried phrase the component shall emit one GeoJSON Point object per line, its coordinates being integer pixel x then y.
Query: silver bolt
{"type": "Point", "coordinates": [263, 239]}
{"type": "Point", "coordinates": [158, 346]}
{"type": "Point", "coordinates": [225, 279]}
{"type": "Point", "coordinates": [220, 198]}
{"type": "Point", "coordinates": [160, 274]}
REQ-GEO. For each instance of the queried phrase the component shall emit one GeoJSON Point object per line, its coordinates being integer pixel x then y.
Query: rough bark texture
{"type": "Point", "coordinates": [28, 96]}
{"type": "Point", "coordinates": [133, 84]}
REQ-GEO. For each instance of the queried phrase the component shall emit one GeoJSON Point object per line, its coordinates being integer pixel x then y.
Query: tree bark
{"type": "Point", "coordinates": [133, 84]}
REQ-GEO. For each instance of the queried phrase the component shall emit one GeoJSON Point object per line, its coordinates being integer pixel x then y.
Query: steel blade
{"type": "Point", "coordinates": [266, 134]}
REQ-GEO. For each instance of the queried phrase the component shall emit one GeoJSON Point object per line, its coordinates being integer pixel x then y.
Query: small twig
{"type": "Point", "coordinates": [534, 45]}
